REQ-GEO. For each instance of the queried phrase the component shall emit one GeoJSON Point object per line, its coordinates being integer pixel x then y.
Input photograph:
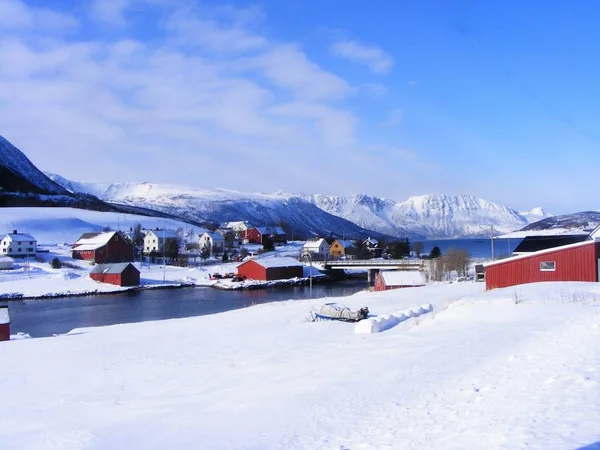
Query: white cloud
{"type": "Point", "coordinates": [109, 11]}
{"type": "Point", "coordinates": [17, 16]}
{"type": "Point", "coordinates": [378, 61]}
{"type": "Point", "coordinates": [220, 109]}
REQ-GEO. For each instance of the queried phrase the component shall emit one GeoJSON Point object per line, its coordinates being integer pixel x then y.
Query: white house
{"type": "Point", "coordinates": [214, 242]}
{"type": "Point", "coordinates": [18, 244]}
{"type": "Point", "coordinates": [239, 228]}
{"type": "Point", "coordinates": [318, 248]}
{"type": "Point", "coordinates": [155, 239]}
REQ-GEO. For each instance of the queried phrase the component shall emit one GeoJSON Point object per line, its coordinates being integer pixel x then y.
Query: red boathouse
{"type": "Point", "coordinates": [271, 268]}
{"type": "Point", "coordinates": [120, 274]}
{"type": "Point", "coordinates": [573, 262]}
{"type": "Point", "coordinates": [4, 324]}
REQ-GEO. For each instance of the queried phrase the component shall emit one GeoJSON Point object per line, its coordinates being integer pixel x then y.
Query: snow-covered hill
{"type": "Point", "coordinates": [433, 216]}
{"type": "Point", "coordinates": [18, 174]}
{"type": "Point", "coordinates": [222, 205]}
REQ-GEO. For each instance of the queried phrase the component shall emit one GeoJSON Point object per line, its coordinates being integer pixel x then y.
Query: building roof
{"type": "Point", "coordinates": [270, 230]}
{"type": "Point", "coordinates": [316, 243]}
{"type": "Point", "coordinates": [216, 236]}
{"type": "Point", "coordinates": [93, 241]}
{"type": "Point", "coordinates": [111, 268]}
{"type": "Point", "coordinates": [6, 258]}
{"type": "Point", "coordinates": [345, 243]}
{"type": "Point", "coordinates": [237, 224]}
{"type": "Point", "coordinates": [536, 243]}
{"type": "Point", "coordinates": [403, 278]}
{"type": "Point", "coordinates": [371, 240]}
{"type": "Point", "coordinates": [166, 234]}
{"type": "Point", "coordinates": [20, 237]}
{"type": "Point", "coordinates": [4, 315]}
{"type": "Point", "coordinates": [276, 261]}
{"type": "Point", "coordinates": [541, 252]}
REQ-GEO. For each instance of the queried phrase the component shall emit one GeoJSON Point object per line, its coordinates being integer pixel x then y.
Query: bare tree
{"type": "Point", "coordinates": [417, 248]}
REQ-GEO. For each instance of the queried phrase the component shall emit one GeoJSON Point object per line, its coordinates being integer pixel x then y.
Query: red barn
{"type": "Point", "coordinates": [259, 234]}
{"type": "Point", "coordinates": [573, 262]}
{"type": "Point", "coordinates": [395, 279]}
{"type": "Point", "coordinates": [4, 324]}
{"type": "Point", "coordinates": [271, 268]}
{"type": "Point", "coordinates": [120, 274]}
{"type": "Point", "coordinates": [108, 247]}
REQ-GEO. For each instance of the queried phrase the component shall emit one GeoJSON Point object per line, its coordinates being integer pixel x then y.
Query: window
{"type": "Point", "coordinates": [548, 266]}
{"type": "Point", "coordinates": [3, 250]}
{"type": "Point", "coordinates": [19, 249]}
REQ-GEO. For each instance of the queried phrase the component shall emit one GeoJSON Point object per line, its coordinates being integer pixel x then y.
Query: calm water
{"type": "Point", "coordinates": [46, 317]}
{"type": "Point", "coordinates": [477, 248]}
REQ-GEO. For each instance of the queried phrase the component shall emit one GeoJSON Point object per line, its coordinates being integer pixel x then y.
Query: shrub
{"type": "Point", "coordinates": [55, 263]}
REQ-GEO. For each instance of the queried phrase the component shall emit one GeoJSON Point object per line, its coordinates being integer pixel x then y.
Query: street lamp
{"type": "Point", "coordinates": [309, 256]}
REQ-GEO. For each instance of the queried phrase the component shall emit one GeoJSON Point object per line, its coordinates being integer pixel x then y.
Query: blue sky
{"type": "Point", "coordinates": [395, 98]}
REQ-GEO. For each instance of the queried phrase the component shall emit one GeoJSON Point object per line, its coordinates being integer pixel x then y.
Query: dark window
{"type": "Point", "coordinates": [548, 266]}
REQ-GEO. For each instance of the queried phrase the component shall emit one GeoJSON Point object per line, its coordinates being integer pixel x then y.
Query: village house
{"type": "Point", "coordinates": [339, 248]}
{"type": "Point", "coordinates": [105, 247]}
{"type": "Point", "coordinates": [155, 240]}
{"type": "Point", "coordinates": [119, 274]}
{"type": "Point", "coordinates": [396, 279]}
{"type": "Point", "coordinates": [317, 248]}
{"type": "Point", "coordinates": [258, 235]}
{"type": "Point", "coordinates": [18, 245]}
{"type": "Point", "coordinates": [238, 228]}
{"type": "Point", "coordinates": [213, 242]}
{"type": "Point", "coordinates": [271, 268]}
{"type": "Point", "coordinates": [372, 245]}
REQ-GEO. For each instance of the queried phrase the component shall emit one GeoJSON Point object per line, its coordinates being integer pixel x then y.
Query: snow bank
{"type": "Point", "coordinates": [387, 321]}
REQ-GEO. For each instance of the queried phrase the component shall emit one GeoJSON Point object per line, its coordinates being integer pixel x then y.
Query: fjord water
{"type": "Point", "coordinates": [477, 248]}
{"type": "Point", "coordinates": [41, 318]}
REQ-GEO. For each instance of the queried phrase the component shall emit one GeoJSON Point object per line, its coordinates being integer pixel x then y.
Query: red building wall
{"type": "Point", "coordinates": [116, 250]}
{"type": "Point", "coordinates": [571, 264]}
{"type": "Point", "coordinates": [253, 235]}
{"type": "Point", "coordinates": [5, 332]}
{"type": "Point", "coordinates": [250, 269]}
{"type": "Point", "coordinates": [380, 284]}
{"type": "Point", "coordinates": [129, 277]}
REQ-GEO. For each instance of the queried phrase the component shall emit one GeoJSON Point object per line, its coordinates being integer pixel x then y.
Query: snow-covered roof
{"type": "Point", "coordinates": [313, 243]}
{"type": "Point", "coordinates": [277, 261]}
{"type": "Point", "coordinates": [4, 315]}
{"type": "Point", "coordinates": [403, 278]}
{"type": "Point", "coordinates": [541, 252]}
{"type": "Point", "coordinates": [270, 230]}
{"type": "Point", "coordinates": [371, 240]}
{"type": "Point", "coordinates": [93, 241]}
{"type": "Point", "coordinates": [166, 234]}
{"type": "Point", "coordinates": [214, 236]}
{"type": "Point", "coordinates": [346, 243]}
{"type": "Point", "coordinates": [20, 237]}
{"type": "Point", "coordinates": [110, 268]}
{"type": "Point", "coordinates": [6, 259]}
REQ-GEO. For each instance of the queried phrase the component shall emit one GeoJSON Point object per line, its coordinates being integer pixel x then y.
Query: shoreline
{"type": "Point", "coordinates": [231, 287]}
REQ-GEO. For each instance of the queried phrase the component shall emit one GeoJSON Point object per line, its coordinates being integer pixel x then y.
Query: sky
{"type": "Point", "coordinates": [390, 98]}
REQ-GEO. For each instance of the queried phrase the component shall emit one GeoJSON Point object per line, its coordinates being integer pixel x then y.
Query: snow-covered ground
{"type": "Point", "coordinates": [34, 279]}
{"type": "Point", "coordinates": [506, 369]}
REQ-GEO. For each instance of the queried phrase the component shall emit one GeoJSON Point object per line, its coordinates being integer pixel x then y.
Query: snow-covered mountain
{"type": "Point", "coordinates": [222, 205]}
{"type": "Point", "coordinates": [581, 222]}
{"type": "Point", "coordinates": [432, 216]}
{"type": "Point", "coordinates": [18, 174]}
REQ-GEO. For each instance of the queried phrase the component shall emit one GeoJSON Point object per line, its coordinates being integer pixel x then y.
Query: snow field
{"type": "Point", "coordinates": [387, 321]}
{"type": "Point", "coordinates": [485, 373]}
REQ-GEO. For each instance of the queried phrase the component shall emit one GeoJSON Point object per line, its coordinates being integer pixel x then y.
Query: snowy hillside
{"type": "Point", "coordinates": [18, 174]}
{"type": "Point", "coordinates": [65, 225]}
{"type": "Point", "coordinates": [433, 216]}
{"type": "Point", "coordinates": [222, 205]}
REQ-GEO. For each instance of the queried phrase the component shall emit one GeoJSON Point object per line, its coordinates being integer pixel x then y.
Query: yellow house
{"type": "Point", "coordinates": [337, 249]}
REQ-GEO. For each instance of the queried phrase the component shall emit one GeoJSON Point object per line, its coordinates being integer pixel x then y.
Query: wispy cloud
{"type": "Point", "coordinates": [378, 61]}
{"type": "Point", "coordinates": [19, 17]}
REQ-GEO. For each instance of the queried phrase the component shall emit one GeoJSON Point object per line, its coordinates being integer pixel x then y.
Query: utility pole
{"type": "Point", "coordinates": [164, 259]}
{"type": "Point", "coordinates": [492, 239]}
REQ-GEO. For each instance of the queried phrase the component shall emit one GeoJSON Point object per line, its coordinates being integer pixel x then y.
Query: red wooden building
{"type": "Point", "coordinates": [258, 235]}
{"type": "Point", "coordinates": [272, 268]}
{"type": "Point", "coordinates": [4, 324]}
{"type": "Point", "coordinates": [574, 262]}
{"type": "Point", "coordinates": [396, 279]}
{"type": "Point", "coordinates": [108, 247]}
{"type": "Point", "coordinates": [120, 274]}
